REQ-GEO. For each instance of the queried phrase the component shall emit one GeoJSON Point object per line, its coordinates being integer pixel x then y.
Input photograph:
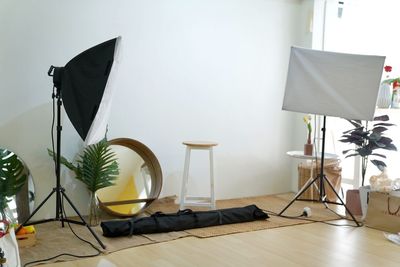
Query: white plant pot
{"type": "Point", "coordinates": [384, 96]}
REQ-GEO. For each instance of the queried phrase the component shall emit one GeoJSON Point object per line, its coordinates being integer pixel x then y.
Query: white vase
{"type": "Point", "coordinates": [384, 96]}
{"type": "Point", "coordinates": [396, 98]}
{"type": "Point", "coordinates": [94, 212]}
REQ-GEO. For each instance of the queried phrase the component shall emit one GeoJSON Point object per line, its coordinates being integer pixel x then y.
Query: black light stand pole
{"type": "Point", "coordinates": [322, 178]}
{"type": "Point", "coordinates": [59, 213]}
{"type": "Point", "coordinates": [322, 193]}
{"type": "Point", "coordinates": [59, 190]}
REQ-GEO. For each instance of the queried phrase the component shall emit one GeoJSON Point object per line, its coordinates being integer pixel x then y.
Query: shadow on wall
{"type": "Point", "coordinates": [28, 135]}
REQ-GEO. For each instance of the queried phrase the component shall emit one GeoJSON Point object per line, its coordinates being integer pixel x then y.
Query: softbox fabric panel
{"type": "Point", "coordinates": [333, 84]}
{"type": "Point", "coordinates": [83, 82]}
{"type": "Point", "coordinates": [182, 220]}
{"type": "Point", "coordinates": [100, 122]}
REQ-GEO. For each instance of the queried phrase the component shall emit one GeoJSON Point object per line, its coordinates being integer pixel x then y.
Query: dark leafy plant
{"type": "Point", "coordinates": [367, 140]}
{"type": "Point", "coordinates": [96, 167]}
{"type": "Point", "coordinates": [12, 176]}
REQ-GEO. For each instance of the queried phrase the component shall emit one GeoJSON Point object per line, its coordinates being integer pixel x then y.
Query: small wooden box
{"type": "Point", "coordinates": [27, 240]}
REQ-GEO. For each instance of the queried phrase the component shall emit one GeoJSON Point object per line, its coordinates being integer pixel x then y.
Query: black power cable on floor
{"type": "Point", "coordinates": [303, 215]}
{"type": "Point", "coordinates": [68, 254]}
{"type": "Point", "coordinates": [63, 210]}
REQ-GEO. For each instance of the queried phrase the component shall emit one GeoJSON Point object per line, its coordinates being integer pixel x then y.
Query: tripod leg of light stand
{"type": "Point", "coordinates": [302, 190]}
{"type": "Point", "coordinates": [321, 196]}
{"type": "Point", "coordinates": [59, 206]}
{"type": "Point", "coordinates": [341, 201]}
{"type": "Point", "coordinates": [83, 220]}
{"type": "Point", "coordinates": [36, 210]}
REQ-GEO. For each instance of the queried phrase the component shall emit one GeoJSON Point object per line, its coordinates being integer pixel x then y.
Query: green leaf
{"type": "Point", "coordinates": [374, 136]}
{"type": "Point", "coordinates": [379, 129]}
{"type": "Point", "coordinates": [378, 155]}
{"type": "Point", "coordinates": [346, 151]}
{"type": "Point", "coordinates": [390, 147]}
{"type": "Point", "coordinates": [351, 139]}
{"type": "Point", "coordinates": [379, 164]}
{"type": "Point", "coordinates": [381, 118]}
{"type": "Point", "coordinates": [63, 160]}
{"type": "Point", "coordinates": [13, 176]}
{"type": "Point", "coordinates": [385, 140]}
{"type": "Point", "coordinates": [378, 145]}
{"type": "Point", "coordinates": [384, 124]}
{"type": "Point", "coordinates": [359, 132]}
{"type": "Point", "coordinates": [352, 155]}
{"type": "Point", "coordinates": [96, 167]}
{"type": "Point", "coordinates": [364, 151]}
{"type": "Point", "coordinates": [358, 129]}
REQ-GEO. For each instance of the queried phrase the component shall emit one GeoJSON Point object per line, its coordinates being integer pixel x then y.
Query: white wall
{"type": "Point", "coordinates": [210, 69]}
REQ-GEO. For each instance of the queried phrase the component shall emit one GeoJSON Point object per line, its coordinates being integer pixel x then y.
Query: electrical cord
{"type": "Point", "coordinates": [62, 203]}
{"type": "Point", "coordinates": [72, 230]}
{"type": "Point", "coordinates": [304, 214]}
{"type": "Point", "coordinates": [339, 215]}
{"type": "Point", "coordinates": [68, 254]}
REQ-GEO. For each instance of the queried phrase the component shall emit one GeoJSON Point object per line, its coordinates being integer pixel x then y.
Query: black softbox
{"type": "Point", "coordinates": [186, 219]}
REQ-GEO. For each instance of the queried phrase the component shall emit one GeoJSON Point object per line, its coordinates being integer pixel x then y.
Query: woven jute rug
{"type": "Point", "coordinates": [53, 240]}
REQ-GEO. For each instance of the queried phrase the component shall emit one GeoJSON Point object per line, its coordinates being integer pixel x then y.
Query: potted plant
{"type": "Point", "coordinates": [367, 140]}
{"type": "Point", "coordinates": [97, 168]}
{"type": "Point", "coordinates": [12, 179]}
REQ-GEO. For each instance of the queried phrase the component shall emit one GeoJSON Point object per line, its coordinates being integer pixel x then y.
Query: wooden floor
{"type": "Point", "coordinates": [314, 244]}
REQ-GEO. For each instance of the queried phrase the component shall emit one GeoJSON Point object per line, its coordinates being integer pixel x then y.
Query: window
{"type": "Point", "coordinates": [364, 27]}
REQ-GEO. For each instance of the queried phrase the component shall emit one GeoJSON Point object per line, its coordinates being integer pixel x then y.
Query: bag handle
{"type": "Point", "coordinates": [388, 208]}
{"type": "Point", "coordinates": [185, 211]}
{"type": "Point", "coordinates": [158, 214]}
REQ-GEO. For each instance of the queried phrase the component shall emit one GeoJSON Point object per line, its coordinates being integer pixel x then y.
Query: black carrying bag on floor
{"type": "Point", "coordinates": [185, 219]}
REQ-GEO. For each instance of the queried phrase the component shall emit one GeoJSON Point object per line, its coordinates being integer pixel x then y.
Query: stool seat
{"type": "Point", "coordinates": [195, 200]}
{"type": "Point", "coordinates": [199, 143]}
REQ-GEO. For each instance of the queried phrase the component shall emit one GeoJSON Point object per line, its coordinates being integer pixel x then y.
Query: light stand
{"type": "Point", "coordinates": [85, 86]}
{"type": "Point", "coordinates": [331, 84]}
{"type": "Point", "coordinates": [59, 190]}
{"type": "Point", "coordinates": [321, 178]}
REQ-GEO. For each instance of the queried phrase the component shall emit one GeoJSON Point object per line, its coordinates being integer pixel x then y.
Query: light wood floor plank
{"type": "Point", "coordinates": [304, 245]}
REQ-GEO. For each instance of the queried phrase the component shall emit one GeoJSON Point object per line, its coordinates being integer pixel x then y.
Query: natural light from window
{"type": "Point", "coordinates": [365, 27]}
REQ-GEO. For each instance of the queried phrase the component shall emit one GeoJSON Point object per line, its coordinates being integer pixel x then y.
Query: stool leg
{"type": "Point", "coordinates": [213, 206]}
{"type": "Point", "coordinates": [185, 178]}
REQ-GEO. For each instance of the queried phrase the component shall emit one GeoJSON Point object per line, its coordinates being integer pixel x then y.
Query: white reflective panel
{"type": "Point", "coordinates": [332, 84]}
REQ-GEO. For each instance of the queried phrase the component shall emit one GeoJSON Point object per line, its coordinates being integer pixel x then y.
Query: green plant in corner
{"type": "Point", "coordinates": [97, 168]}
{"type": "Point", "coordinates": [12, 178]}
{"type": "Point", "coordinates": [367, 140]}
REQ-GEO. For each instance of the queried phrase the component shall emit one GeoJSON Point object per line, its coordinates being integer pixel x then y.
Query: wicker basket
{"type": "Point", "coordinates": [333, 172]}
{"type": "Point", "coordinates": [26, 240]}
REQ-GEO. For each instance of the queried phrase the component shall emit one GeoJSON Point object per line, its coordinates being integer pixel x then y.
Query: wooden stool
{"type": "Point", "coordinates": [197, 201]}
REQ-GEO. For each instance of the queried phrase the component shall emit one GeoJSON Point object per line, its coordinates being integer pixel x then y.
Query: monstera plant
{"type": "Point", "coordinates": [97, 168]}
{"type": "Point", "coordinates": [367, 140]}
{"type": "Point", "coordinates": [12, 179]}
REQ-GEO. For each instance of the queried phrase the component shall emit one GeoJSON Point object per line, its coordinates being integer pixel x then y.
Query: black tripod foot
{"type": "Point", "coordinates": [59, 214]}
